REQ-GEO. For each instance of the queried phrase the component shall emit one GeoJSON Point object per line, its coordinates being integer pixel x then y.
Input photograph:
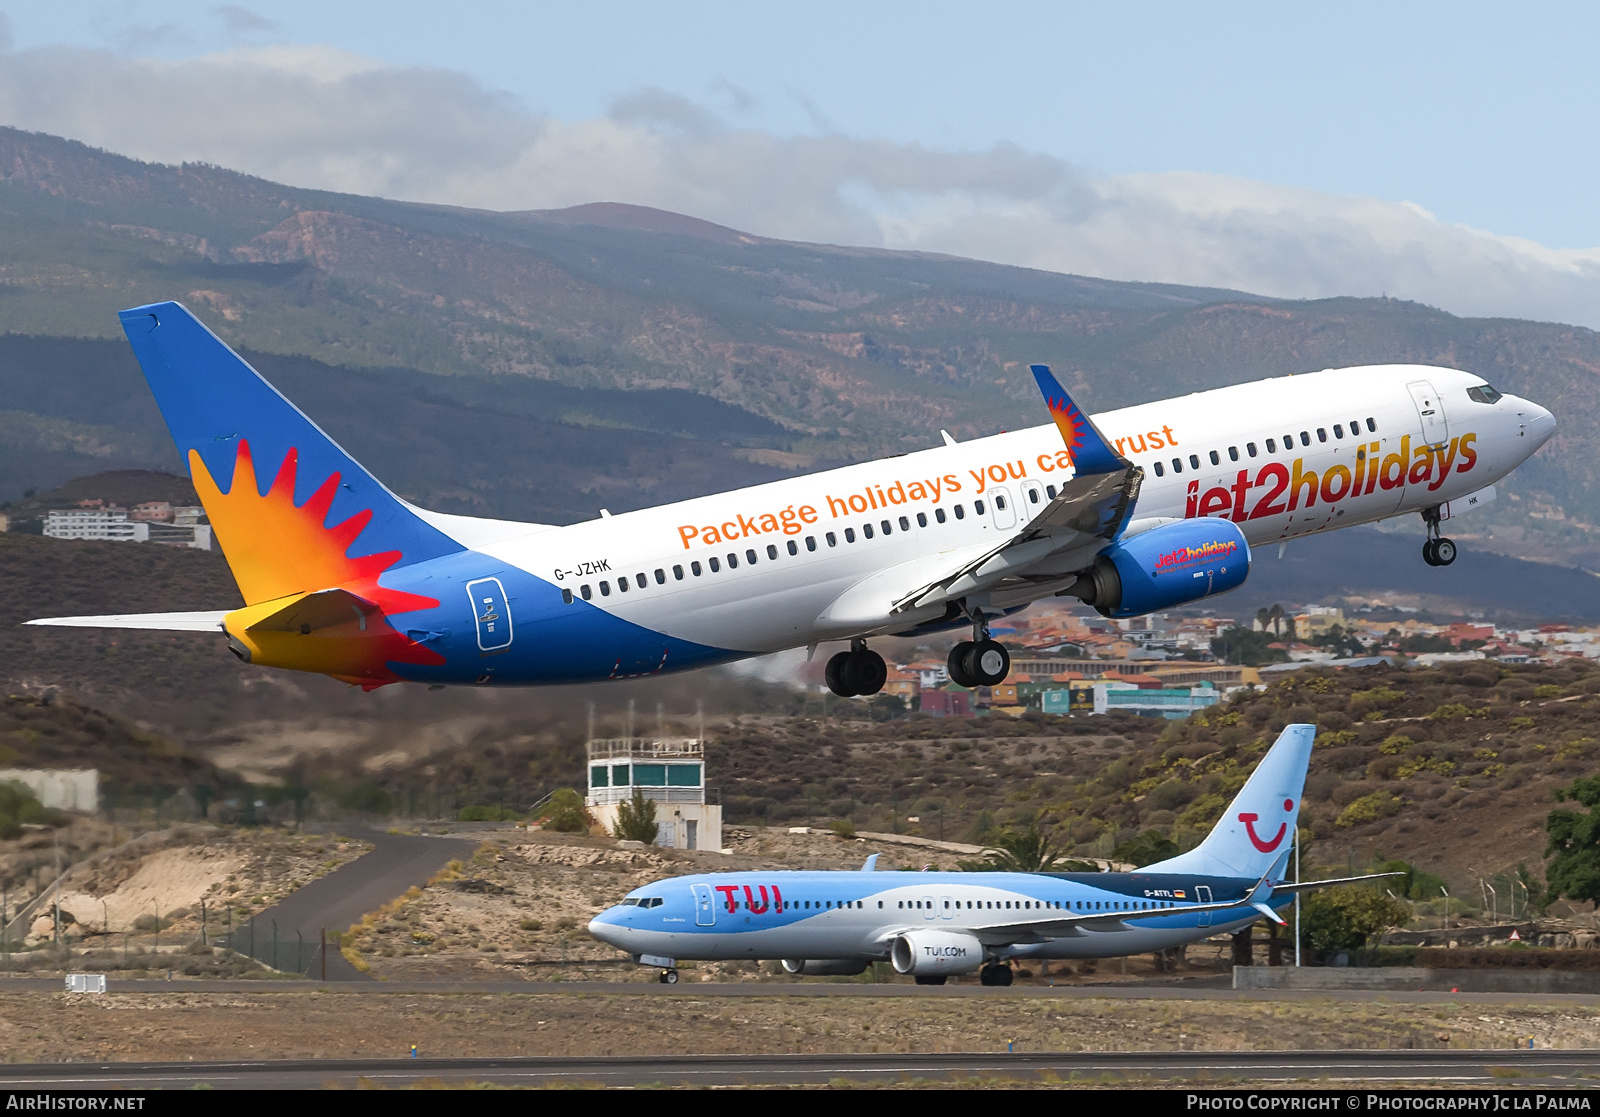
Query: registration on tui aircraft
{"type": "Point", "coordinates": [1131, 511]}
{"type": "Point", "coordinates": [935, 924]}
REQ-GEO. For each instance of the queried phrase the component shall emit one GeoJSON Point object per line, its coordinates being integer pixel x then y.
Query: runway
{"type": "Point", "coordinates": [1212, 1069]}
{"type": "Point", "coordinates": [1203, 989]}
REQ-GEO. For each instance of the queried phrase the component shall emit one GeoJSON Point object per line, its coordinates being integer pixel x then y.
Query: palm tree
{"type": "Point", "coordinates": [1027, 852]}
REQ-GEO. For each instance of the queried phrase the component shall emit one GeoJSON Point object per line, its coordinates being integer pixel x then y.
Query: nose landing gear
{"type": "Point", "coordinates": [979, 661]}
{"type": "Point", "coordinates": [858, 671]}
{"type": "Point", "coordinates": [1437, 551]}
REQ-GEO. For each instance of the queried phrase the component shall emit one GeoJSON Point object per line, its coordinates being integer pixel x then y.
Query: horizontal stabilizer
{"type": "Point", "coordinates": [208, 621]}
{"type": "Point", "coordinates": [323, 609]}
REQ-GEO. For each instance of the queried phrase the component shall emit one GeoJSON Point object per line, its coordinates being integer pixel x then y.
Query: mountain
{"type": "Point", "coordinates": [841, 352]}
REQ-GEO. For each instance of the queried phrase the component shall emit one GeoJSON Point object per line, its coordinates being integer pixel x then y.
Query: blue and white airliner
{"type": "Point", "coordinates": [1136, 510]}
{"type": "Point", "coordinates": [932, 925]}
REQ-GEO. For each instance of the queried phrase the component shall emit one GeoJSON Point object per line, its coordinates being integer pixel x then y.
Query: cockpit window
{"type": "Point", "coordinates": [1483, 393]}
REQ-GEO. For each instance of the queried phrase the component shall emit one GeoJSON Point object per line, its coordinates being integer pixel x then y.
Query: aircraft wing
{"type": "Point", "coordinates": [1091, 510]}
{"type": "Point", "coordinates": [209, 621]}
{"type": "Point", "coordinates": [1063, 925]}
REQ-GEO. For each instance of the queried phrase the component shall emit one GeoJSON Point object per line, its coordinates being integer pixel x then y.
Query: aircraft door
{"type": "Point", "coordinates": [1202, 892]}
{"type": "Point", "coordinates": [492, 613]}
{"type": "Point", "coordinates": [1001, 508]}
{"type": "Point", "coordinates": [946, 908]}
{"type": "Point", "coordinates": [1435, 429]}
{"type": "Point", "coordinates": [705, 912]}
{"type": "Point", "coordinates": [927, 907]}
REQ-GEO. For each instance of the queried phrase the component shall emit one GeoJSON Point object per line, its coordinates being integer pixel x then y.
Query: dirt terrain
{"type": "Point", "coordinates": [190, 1023]}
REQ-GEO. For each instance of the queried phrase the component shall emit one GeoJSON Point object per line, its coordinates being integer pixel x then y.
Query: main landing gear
{"type": "Point", "coordinates": [858, 671]}
{"type": "Point", "coordinates": [1437, 551]}
{"type": "Point", "coordinates": [668, 977]}
{"type": "Point", "coordinates": [979, 661]}
{"type": "Point", "coordinates": [996, 973]}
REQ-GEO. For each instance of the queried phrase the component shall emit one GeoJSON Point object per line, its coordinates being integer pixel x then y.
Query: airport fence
{"type": "Point", "coordinates": [282, 950]}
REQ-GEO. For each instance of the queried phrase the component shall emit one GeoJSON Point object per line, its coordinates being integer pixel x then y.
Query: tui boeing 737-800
{"type": "Point", "coordinates": [1132, 511]}
{"type": "Point", "coordinates": [932, 925]}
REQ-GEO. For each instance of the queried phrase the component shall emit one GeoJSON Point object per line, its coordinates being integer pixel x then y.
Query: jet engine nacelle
{"type": "Point", "coordinates": [825, 967]}
{"type": "Point", "coordinates": [1166, 566]}
{"type": "Point", "coordinates": [936, 952]}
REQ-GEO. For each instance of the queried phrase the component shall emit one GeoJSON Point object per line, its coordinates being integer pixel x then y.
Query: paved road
{"type": "Point", "coordinates": [1398, 1068]}
{"type": "Point", "coordinates": [697, 989]}
{"type": "Point", "coordinates": [396, 863]}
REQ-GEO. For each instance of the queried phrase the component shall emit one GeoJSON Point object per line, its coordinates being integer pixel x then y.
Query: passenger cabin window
{"type": "Point", "coordinates": [1338, 430]}
{"type": "Point", "coordinates": [622, 584]}
{"type": "Point", "coordinates": [977, 506]}
{"type": "Point", "coordinates": [566, 596]}
{"type": "Point", "coordinates": [849, 535]}
{"type": "Point", "coordinates": [1160, 472]}
{"type": "Point", "coordinates": [1050, 491]}
{"type": "Point", "coordinates": [1305, 438]}
{"type": "Point", "coordinates": [772, 550]}
{"type": "Point", "coordinates": [694, 568]}
{"type": "Point", "coordinates": [1177, 465]}
{"type": "Point", "coordinates": [642, 582]}
{"type": "Point", "coordinates": [714, 564]}
{"type": "Point", "coordinates": [1033, 495]}
{"type": "Point", "coordinates": [922, 519]}
{"type": "Point", "coordinates": [811, 542]}
{"type": "Point", "coordinates": [1372, 426]}
{"type": "Point", "coordinates": [888, 528]}
{"type": "Point", "coordinates": [605, 589]}
{"type": "Point", "coordinates": [1000, 501]}
{"type": "Point", "coordinates": [733, 561]}
{"type": "Point", "coordinates": [750, 556]}
{"type": "Point", "coordinates": [833, 540]}
{"type": "Point", "coordinates": [588, 594]}
{"type": "Point", "coordinates": [905, 524]}
{"type": "Point", "coordinates": [938, 514]}
{"type": "Point", "coordinates": [1194, 461]}
{"type": "Point", "coordinates": [1250, 448]}
{"type": "Point", "coordinates": [1322, 434]}
{"type": "Point", "coordinates": [961, 513]}
{"type": "Point", "coordinates": [1233, 453]}
{"type": "Point", "coordinates": [1272, 447]}
{"type": "Point", "coordinates": [866, 532]}
{"type": "Point", "coordinates": [794, 548]}
{"type": "Point", "coordinates": [1216, 458]}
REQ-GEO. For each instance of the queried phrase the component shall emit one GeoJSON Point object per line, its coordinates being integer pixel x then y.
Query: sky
{"type": "Point", "coordinates": [1443, 153]}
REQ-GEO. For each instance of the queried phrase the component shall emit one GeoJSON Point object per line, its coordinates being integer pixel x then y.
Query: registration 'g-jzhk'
{"type": "Point", "coordinates": [1132, 511]}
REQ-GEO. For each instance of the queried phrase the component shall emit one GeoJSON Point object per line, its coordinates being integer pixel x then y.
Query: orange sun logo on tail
{"type": "Point", "coordinates": [279, 551]}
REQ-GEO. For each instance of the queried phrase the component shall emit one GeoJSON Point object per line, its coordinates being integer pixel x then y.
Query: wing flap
{"type": "Point", "coordinates": [205, 621]}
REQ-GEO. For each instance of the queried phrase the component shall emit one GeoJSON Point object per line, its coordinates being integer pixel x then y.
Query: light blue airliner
{"type": "Point", "coordinates": [932, 925]}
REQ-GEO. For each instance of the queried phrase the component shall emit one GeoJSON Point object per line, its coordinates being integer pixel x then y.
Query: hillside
{"type": "Point", "coordinates": [848, 351]}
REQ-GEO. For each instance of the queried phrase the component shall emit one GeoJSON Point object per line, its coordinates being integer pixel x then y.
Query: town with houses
{"type": "Point", "coordinates": [1171, 665]}
{"type": "Point", "coordinates": [154, 521]}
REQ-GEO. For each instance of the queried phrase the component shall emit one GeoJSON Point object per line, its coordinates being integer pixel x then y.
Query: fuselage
{"type": "Point", "coordinates": [841, 915]}
{"type": "Point", "coordinates": [788, 564]}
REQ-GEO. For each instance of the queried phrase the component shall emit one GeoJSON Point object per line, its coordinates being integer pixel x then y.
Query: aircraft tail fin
{"type": "Point", "coordinates": [1256, 832]}
{"type": "Point", "coordinates": [1088, 448]}
{"type": "Point", "coordinates": [292, 511]}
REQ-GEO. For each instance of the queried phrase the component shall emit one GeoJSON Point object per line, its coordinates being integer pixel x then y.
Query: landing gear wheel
{"type": "Point", "coordinates": [668, 977]}
{"type": "Point", "coordinates": [834, 673]}
{"type": "Point", "coordinates": [957, 663]}
{"type": "Point", "coordinates": [988, 663]}
{"type": "Point", "coordinates": [995, 974]}
{"type": "Point", "coordinates": [930, 979]}
{"type": "Point", "coordinates": [1444, 552]}
{"type": "Point", "coordinates": [1428, 555]}
{"type": "Point", "coordinates": [864, 672]}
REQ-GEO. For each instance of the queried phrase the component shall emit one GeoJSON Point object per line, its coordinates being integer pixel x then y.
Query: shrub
{"type": "Point", "coordinates": [636, 819]}
{"type": "Point", "coordinates": [1394, 746]}
{"type": "Point", "coordinates": [843, 828]}
{"type": "Point", "coordinates": [485, 814]}
{"type": "Point", "coordinates": [567, 814]}
{"type": "Point", "coordinates": [1369, 808]}
{"type": "Point", "coordinates": [1547, 690]}
{"type": "Point", "coordinates": [1345, 918]}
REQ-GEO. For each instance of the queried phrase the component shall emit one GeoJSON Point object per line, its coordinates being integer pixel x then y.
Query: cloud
{"type": "Point", "coordinates": [321, 117]}
{"type": "Point", "coordinates": [239, 20]}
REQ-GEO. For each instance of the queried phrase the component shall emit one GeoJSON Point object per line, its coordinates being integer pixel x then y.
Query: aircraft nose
{"type": "Point", "coordinates": [605, 930]}
{"type": "Point", "coordinates": [1539, 424]}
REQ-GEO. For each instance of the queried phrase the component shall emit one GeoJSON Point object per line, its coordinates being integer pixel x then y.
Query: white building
{"type": "Point", "coordinates": [671, 773]}
{"type": "Point", "coordinates": [60, 789]}
{"type": "Point", "coordinates": [112, 524]}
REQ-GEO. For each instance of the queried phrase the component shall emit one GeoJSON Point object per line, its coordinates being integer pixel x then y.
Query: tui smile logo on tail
{"type": "Point", "coordinates": [1250, 819]}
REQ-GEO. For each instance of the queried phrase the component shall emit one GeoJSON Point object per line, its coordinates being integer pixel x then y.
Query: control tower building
{"type": "Point", "coordinates": [669, 771]}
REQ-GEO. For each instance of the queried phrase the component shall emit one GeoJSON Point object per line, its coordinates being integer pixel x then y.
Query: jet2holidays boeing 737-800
{"type": "Point", "coordinates": [1131, 511]}
{"type": "Point", "coordinates": [932, 925]}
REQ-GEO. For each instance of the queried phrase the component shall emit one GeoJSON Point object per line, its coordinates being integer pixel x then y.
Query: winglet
{"type": "Point", "coordinates": [871, 865]}
{"type": "Point", "coordinates": [1088, 448]}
